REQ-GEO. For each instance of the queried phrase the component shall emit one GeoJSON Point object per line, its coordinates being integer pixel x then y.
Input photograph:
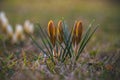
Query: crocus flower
{"type": "Point", "coordinates": [19, 32]}
{"type": "Point", "coordinates": [28, 27]}
{"type": "Point", "coordinates": [52, 32]}
{"type": "Point", "coordinates": [3, 22]}
{"type": "Point", "coordinates": [60, 31]}
{"type": "Point", "coordinates": [77, 33]}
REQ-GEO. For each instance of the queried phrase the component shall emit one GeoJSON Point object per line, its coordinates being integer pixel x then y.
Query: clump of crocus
{"type": "Point", "coordinates": [28, 27]}
{"type": "Point", "coordinates": [77, 33]}
{"type": "Point", "coordinates": [62, 43]}
{"type": "Point", "coordinates": [17, 35]}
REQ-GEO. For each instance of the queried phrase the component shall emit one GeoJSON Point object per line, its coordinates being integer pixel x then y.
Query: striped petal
{"type": "Point", "coordinates": [60, 31]}
{"type": "Point", "coordinates": [52, 32]}
{"type": "Point", "coordinates": [78, 32]}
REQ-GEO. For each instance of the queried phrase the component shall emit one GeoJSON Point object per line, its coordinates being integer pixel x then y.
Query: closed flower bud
{"type": "Point", "coordinates": [3, 22]}
{"type": "Point", "coordinates": [9, 31]}
{"type": "Point", "coordinates": [28, 27]}
{"type": "Point", "coordinates": [74, 33]}
{"type": "Point", "coordinates": [52, 32]}
{"type": "Point", "coordinates": [60, 31]}
{"type": "Point", "coordinates": [77, 33]}
{"type": "Point", "coordinates": [19, 32]}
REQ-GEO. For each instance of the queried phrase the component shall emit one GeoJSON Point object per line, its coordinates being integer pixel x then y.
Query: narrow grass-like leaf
{"type": "Point", "coordinates": [60, 45]}
{"type": "Point", "coordinates": [86, 34]}
{"type": "Point", "coordinates": [24, 58]}
{"type": "Point", "coordinates": [68, 52]}
{"type": "Point", "coordinates": [85, 42]}
{"type": "Point", "coordinates": [38, 45]}
{"type": "Point", "coordinates": [48, 40]}
{"type": "Point", "coordinates": [47, 37]}
{"type": "Point", "coordinates": [65, 32]}
{"type": "Point", "coordinates": [43, 34]}
{"type": "Point", "coordinates": [50, 45]}
{"type": "Point", "coordinates": [62, 48]}
{"type": "Point", "coordinates": [67, 47]}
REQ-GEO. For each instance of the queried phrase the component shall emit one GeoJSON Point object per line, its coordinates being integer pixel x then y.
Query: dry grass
{"type": "Point", "coordinates": [98, 61]}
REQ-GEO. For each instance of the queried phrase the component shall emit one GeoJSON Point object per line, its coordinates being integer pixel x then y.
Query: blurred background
{"type": "Point", "coordinates": [105, 12]}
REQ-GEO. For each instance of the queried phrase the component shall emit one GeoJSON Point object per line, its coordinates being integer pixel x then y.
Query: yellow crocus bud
{"type": "Point", "coordinates": [78, 32]}
{"type": "Point", "coordinates": [52, 32]}
{"type": "Point", "coordinates": [76, 35]}
{"type": "Point", "coordinates": [60, 31]}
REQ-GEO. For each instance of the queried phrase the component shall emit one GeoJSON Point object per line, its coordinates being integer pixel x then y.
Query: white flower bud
{"type": "Point", "coordinates": [3, 21]}
{"type": "Point", "coordinates": [28, 27]}
{"type": "Point", "coordinates": [9, 31]}
{"type": "Point", "coordinates": [19, 32]}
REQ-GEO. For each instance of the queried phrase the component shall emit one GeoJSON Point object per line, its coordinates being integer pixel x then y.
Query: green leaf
{"type": "Point", "coordinates": [85, 42]}
{"type": "Point", "coordinates": [50, 45]}
{"type": "Point", "coordinates": [35, 42]}
{"type": "Point", "coordinates": [68, 46]}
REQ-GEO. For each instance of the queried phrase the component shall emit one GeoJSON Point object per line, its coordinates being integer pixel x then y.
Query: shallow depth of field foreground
{"type": "Point", "coordinates": [59, 40]}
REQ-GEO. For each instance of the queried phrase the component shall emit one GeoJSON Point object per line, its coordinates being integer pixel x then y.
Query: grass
{"type": "Point", "coordinates": [98, 61]}
{"type": "Point", "coordinates": [22, 64]}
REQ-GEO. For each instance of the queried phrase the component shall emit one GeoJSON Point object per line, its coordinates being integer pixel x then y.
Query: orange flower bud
{"type": "Point", "coordinates": [60, 31]}
{"type": "Point", "coordinates": [77, 32]}
{"type": "Point", "coordinates": [52, 32]}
